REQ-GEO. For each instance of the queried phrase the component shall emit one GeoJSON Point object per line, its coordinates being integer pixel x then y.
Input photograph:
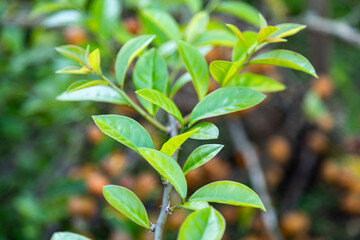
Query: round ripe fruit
{"type": "Point", "coordinates": [274, 175]}
{"type": "Point", "coordinates": [94, 135]}
{"type": "Point", "coordinates": [355, 186]}
{"type": "Point", "coordinates": [323, 86]}
{"type": "Point", "coordinates": [176, 219]}
{"type": "Point", "coordinates": [75, 35]}
{"type": "Point", "coordinates": [351, 204]}
{"type": "Point", "coordinates": [95, 181]}
{"type": "Point", "coordinates": [81, 206]}
{"type": "Point", "coordinates": [132, 25]}
{"type": "Point", "coordinates": [278, 149]}
{"type": "Point", "coordinates": [217, 169]}
{"type": "Point", "coordinates": [115, 164]}
{"type": "Point", "coordinates": [330, 171]}
{"type": "Point", "coordinates": [295, 223]}
{"type": "Point", "coordinates": [345, 179]}
{"type": "Point", "coordinates": [317, 141]}
{"type": "Point", "coordinates": [145, 184]}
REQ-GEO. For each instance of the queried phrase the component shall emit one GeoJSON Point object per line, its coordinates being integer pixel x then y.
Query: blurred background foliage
{"type": "Point", "coordinates": [54, 161]}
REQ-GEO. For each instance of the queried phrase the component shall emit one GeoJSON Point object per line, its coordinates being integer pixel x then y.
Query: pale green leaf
{"type": "Point", "coordinates": [224, 71]}
{"type": "Point", "coordinates": [285, 58]}
{"type": "Point", "coordinates": [238, 33]}
{"type": "Point", "coordinates": [94, 60]}
{"type": "Point", "coordinates": [216, 38]}
{"type": "Point", "coordinates": [200, 156]}
{"type": "Point", "coordinates": [73, 52]}
{"type": "Point", "coordinates": [67, 236]}
{"type": "Point", "coordinates": [241, 50]}
{"type": "Point", "coordinates": [225, 100]}
{"type": "Point", "coordinates": [124, 130]}
{"type": "Point", "coordinates": [75, 70]}
{"type": "Point", "coordinates": [257, 82]}
{"type": "Point", "coordinates": [207, 131]}
{"type": "Point", "coordinates": [81, 84]}
{"type": "Point", "coordinates": [161, 101]}
{"type": "Point", "coordinates": [206, 224]}
{"type": "Point", "coordinates": [126, 202]}
{"type": "Point", "coordinates": [228, 192]}
{"type": "Point", "coordinates": [287, 29]}
{"type": "Point", "coordinates": [196, 26]}
{"type": "Point", "coordinates": [150, 72]}
{"type": "Point", "coordinates": [265, 33]}
{"type": "Point", "coordinates": [166, 167]}
{"type": "Point", "coordinates": [197, 67]}
{"type": "Point", "coordinates": [127, 54]}
{"type": "Point", "coordinates": [171, 145]}
{"type": "Point", "coordinates": [194, 5]}
{"type": "Point", "coordinates": [195, 205]}
{"type": "Point", "coordinates": [98, 93]}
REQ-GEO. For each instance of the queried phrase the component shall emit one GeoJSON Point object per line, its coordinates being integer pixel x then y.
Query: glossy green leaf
{"type": "Point", "coordinates": [200, 156]}
{"type": "Point", "coordinates": [127, 54]}
{"type": "Point", "coordinates": [204, 224]}
{"type": "Point", "coordinates": [224, 71]}
{"type": "Point", "coordinates": [195, 205]}
{"type": "Point", "coordinates": [94, 60]}
{"type": "Point", "coordinates": [73, 52]}
{"type": "Point", "coordinates": [287, 29]}
{"type": "Point", "coordinates": [68, 236]}
{"type": "Point", "coordinates": [96, 93]}
{"type": "Point", "coordinates": [228, 192]}
{"type": "Point", "coordinates": [105, 16]}
{"type": "Point", "coordinates": [81, 84]}
{"type": "Point", "coordinates": [166, 167]}
{"type": "Point", "coordinates": [124, 130]}
{"type": "Point", "coordinates": [265, 33]}
{"type": "Point", "coordinates": [162, 21]}
{"type": "Point", "coordinates": [215, 38]}
{"type": "Point", "coordinates": [197, 67]}
{"type": "Point", "coordinates": [75, 70]}
{"type": "Point", "coordinates": [225, 100]}
{"type": "Point", "coordinates": [161, 101]}
{"type": "Point", "coordinates": [196, 26]}
{"type": "Point", "coordinates": [150, 72]}
{"type": "Point", "coordinates": [241, 50]}
{"type": "Point", "coordinates": [285, 58]}
{"type": "Point", "coordinates": [207, 131]}
{"type": "Point", "coordinates": [171, 145]}
{"type": "Point", "coordinates": [241, 10]}
{"type": "Point", "coordinates": [237, 32]}
{"type": "Point", "coordinates": [184, 79]}
{"type": "Point", "coordinates": [126, 202]}
{"type": "Point", "coordinates": [257, 82]}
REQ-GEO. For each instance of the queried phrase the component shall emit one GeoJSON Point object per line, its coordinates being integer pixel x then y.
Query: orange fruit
{"type": "Point", "coordinates": [295, 223]}
{"type": "Point", "coordinates": [278, 149]}
{"type": "Point", "coordinates": [323, 86]}
{"type": "Point", "coordinates": [95, 182]}
{"type": "Point", "coordinates": [81, 206]}
{"type": "Point", "coordinates": [75, 35]}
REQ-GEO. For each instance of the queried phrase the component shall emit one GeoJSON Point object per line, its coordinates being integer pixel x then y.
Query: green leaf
{"type": "Point", "coordinates": [197, 67]}
{"type": "Point", "coordinates": [257, 82]}
{"type": "Point", "coordinates": [206, 131]}
{"type": "Point", "coordinates": [97, 93]}
{"type": "Point", "coordinates": [184, 79]}
{"type": "Point", "coordinates": [94, 60]}
{"type": "Point", "coordinates": [195, 205]}
{"type": "Point", "coordinates": [240, 10]}
{"type": "Point", "coordinates": [162, 101]}
{"type": "Point", "coordinates": [200, 156]}
{"type": "Point", "coordinates": [263, 22]}
{"type": "Point", "coordinates": [285, 58]}
{"type": "Point", "coordinates": [166, 167]}
{"type": "Point", "coordinates": [124, 130]}
{"type": "Point", "coordinates": [228, 192]}
{"type": "Point", "coordinates": [237, 32]}
{"type": "Point", "coordinates": [126, 202]}
{"type": "Point", "coordinates": [287, 29]}
{"type": "Point", "coordinates": [81, 84]}
{"type": "Point", "coordinates": [240, 50]}
{"type": "Point", "coordinates": [225, 100]}
{"type": "Point", "coordinates": [215, 37]}
{"type": "Point", "coordinates": [194, 5]}
{"type": "Point", "coordinates": [204, 224]}
{"type": "Point", "coordinates": [67, 236]}
{"type": "Point", "coordinates": [150, 72]}
{"type": "Point", "coordinates": [171, 145]}
{"type": "Point", "coordinates": [224, 71]}
{"type": "Point", "coordinates": [75, 70]}
{"type": "Point", "coordinates": [105, 16]}
{"type": "Point", "coordinates": [265, 33]}
{"type": "Point", "coordinates": [128, 52]}
{"type": "Point", "coordinates": [196, 26]}
{"type": "Point", "coordinates": [73, 52]}
{"type": "Point", "coordinates": [163, 22]}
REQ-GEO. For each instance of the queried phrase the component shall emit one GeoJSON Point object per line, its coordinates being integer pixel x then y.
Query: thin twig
{"type": "Point", "coordinates": [256, 175]}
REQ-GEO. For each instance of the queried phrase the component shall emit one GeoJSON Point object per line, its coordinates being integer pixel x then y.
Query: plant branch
{"type": "Point", "coordinates": [160, 224]}
{"type": "Point", "coordinates": [133, 105]}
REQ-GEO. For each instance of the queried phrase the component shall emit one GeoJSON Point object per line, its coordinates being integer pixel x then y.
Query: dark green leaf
{"type": "Point", "coordinates": [124, 130]}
